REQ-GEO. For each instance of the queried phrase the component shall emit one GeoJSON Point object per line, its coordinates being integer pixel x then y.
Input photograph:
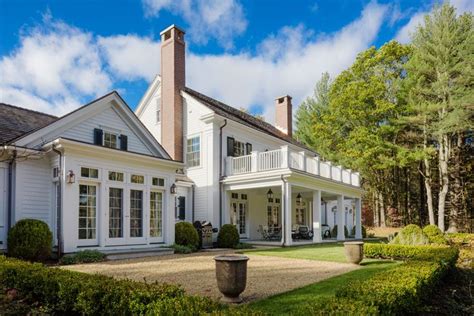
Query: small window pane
{"type": "Point", "coordinates": [239, 149]}
{"type": "Point", "coordinates": [137, 179]}
{"type": "Point", "coordinates": [89, 173]}
{"type": "Point", "coordinates": [110, 140]}
{"type": "Point", "coordinates": [115, 176]}
{"type": "Point", "coordinates": [158, 182]}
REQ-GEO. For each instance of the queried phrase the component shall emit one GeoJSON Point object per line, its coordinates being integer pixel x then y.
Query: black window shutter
{"type": "Point", "coordinates": [248, 148]}
{"type": "Point", "coordinates": [182, 208]}
{"type": "Point", "coordinates": [230, 146]}
{"type": "Point", "coordinates": [98, 136]}
{"type": "Point", "coordinates": [123, 142]}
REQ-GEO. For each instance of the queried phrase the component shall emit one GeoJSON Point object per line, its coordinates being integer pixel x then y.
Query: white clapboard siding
{"type": "Point", "coordinates": [34, 190]}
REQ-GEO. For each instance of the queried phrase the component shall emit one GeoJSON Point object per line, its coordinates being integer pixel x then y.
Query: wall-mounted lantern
{"type": "Point", "coordinates": [270, 194]}
{"type": "Point", "coordinates": [173, 189]}
{"type": "Point", "coordinates": [70, 177]}
{"type": "Point", "coordinates": [299, 198]}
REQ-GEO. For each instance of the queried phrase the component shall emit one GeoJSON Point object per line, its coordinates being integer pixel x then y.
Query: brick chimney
{"type": "Point", "coordinates": [173, 77]}
{"type": "Point", "coordinates": [284, 115]}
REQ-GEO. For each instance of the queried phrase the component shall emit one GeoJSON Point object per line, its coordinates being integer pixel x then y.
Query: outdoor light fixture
{"type": "Point", "coordinates": [270, 194]}
{"type": "Point", "coordinates": [173, 189]}
{"type": "Point", "coordinates": [70, 177]}
{"type": "Point", "coordinates": [299, 198]}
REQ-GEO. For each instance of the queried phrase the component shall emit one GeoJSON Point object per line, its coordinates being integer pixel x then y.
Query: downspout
{"type": "Point", "coordinates": [192, 204]}
{"type": "Point", "coordinates": [220, 172]}
{"type": "Point", "coordinates": [10, 191]}
{"type": "Point", "coordinates": [59, 209]}
{"type": "Point", "coordinates": [283, 233]}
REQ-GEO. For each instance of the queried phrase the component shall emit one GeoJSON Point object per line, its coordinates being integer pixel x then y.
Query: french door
{"type": "Point", "coordinates": [238, 217]}
{"type": "Point", "coordinates": [87, 228]}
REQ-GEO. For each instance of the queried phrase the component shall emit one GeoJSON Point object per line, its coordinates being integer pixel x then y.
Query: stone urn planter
{"type": "Point", "coordinates": [354, 251]}
{"type": "Point", "coordinates": [231, 275]}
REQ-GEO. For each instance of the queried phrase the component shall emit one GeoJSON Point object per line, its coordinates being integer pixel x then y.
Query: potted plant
{"type": "Point", "coordinates": [231, 275]}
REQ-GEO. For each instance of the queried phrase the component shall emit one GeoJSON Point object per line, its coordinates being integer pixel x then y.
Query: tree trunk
{"type": "Point", "coordinates": [382, 210]}
{"type": "Point", "coordinates": [443, 178]}
{"type": "Point", "coordinates": [456, 192]}
{"type": "Point", "coordinates": [429, 193]}
{"type": "Point", "coordinates": [376, 210]}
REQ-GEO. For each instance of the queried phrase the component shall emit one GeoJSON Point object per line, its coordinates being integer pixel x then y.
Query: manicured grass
{"type": "Point", "coordinates": [289, 302]}
{"type": "Point", "coordinates": [323, 252]}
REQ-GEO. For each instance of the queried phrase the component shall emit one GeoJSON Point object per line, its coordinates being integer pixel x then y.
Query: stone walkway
{"type": "Point", "coordinates": [196, 272]}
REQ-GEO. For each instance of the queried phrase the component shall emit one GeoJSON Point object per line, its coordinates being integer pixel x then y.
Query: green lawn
{"type": "Point", "coordinates": [323, 252]}
{"type": "Point", "coordinates": [287, 303]}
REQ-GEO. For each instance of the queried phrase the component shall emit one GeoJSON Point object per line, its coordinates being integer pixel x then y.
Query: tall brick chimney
{"type": "Point", "coordinates": [284, 114]}
{"type": "Point", "coordinates": [173, 78]}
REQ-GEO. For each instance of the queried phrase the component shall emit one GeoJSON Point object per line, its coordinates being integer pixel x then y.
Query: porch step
{"type": "Point", "coordinates": [120, 254]}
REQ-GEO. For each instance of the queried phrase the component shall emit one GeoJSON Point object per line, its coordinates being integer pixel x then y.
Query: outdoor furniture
{"type": "Point", "coordinates": [270, 233]}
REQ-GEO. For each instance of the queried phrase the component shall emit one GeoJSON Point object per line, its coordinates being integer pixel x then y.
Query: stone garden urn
{"type": "Point", "coordinates": [354, 251]}
{"type": "Point", "coordinates": [231, 275]}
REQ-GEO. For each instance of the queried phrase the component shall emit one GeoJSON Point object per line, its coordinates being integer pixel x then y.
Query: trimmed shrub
{"type": "Point", "coordinates": [61, 291]}
{"type": "Point", "coordinates": [84, 256]}
{"type": "Point", "coordinates": [334, 231]}
{"type": "Point", "coordinates": [183, 249]}
{"type": "Point", "coordinates": [186, 235]}
{"type": "Point", "coordinates": [336, 306]}
{"type": "Point", "coordinates": [443, 254]}
{"type": "Point", "coordinates": [30, 239]}
{"type": "Point", "coordinates": [435, 235]}
{"type": "Point", "coordinates": [461, 239]}
{"type": "Point", "coordinates": [364, 231]}
{"type": "Point", "coordinates": [400, 290]}
{"type": "Point", "coordinates": [228, 236]}
{"type": "Point", "coordinates": [411, 235]}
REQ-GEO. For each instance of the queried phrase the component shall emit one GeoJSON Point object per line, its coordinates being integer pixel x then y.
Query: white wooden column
{"type": "Point", "coordinates": [225, 207]}
{"type": "Point", "coordinates": [317, 216]}
{"type": "Point", "coordinates": [358, 215]}
{"type": "Point", "coordinates": [340, 217]}
{"type": "Point", "coordinates": [287, 213]}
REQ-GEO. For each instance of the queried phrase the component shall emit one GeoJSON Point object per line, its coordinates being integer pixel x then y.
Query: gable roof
{"type": "Point", "coordinates": [40, 129]}
{"type": "Point", "coordinates": [234, 114]}
{"type": "Point", "coordinates": [16, 121]}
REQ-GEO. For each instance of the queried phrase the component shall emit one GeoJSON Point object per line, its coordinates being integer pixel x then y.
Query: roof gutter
{"type": "Point", "coordinates": [220, 172]}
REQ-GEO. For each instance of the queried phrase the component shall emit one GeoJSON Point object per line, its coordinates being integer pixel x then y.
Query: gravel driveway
{"type": "Point", "coordinates": [196, 272]}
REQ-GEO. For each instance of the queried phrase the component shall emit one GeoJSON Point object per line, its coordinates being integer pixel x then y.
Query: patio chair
{"type": "Point", "coordinates": [264, 232]}
{"type": "Point", "coordinates": [304, 232]}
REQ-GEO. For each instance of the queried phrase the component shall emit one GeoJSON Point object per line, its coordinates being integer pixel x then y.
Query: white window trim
{"type": "Point", "coordinates": [99, 174]}
{"type": "Point", "coordinates": [115, 181]}
{"type": "Point", "coordinates": [200, 151]}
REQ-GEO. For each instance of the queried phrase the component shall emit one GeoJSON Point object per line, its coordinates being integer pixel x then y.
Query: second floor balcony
{"type": "Point", "coordinates": [284, 158]}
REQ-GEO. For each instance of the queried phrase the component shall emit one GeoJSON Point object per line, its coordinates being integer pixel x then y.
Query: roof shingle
{"type": "Point", "coordinates": [16, 121]}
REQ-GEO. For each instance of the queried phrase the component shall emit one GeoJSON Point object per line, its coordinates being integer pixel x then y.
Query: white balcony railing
{"type": "Point", "coordinates": [284, 158]}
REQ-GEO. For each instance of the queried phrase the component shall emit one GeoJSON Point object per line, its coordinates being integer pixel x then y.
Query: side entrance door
{"type": "Point", "coordinates": [239, 217]}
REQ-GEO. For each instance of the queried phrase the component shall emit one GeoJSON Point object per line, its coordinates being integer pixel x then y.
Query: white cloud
{"type": "Point", "coordinates": [131, 57]}
{"type": "Point", "coordinates": [289, 62]}
{"type": "Point", "coordinates": [404, 34]}
{"type": "Point", "coordinates": [54, 64]}
{"type": "Point", "coordinates": [221, 20]}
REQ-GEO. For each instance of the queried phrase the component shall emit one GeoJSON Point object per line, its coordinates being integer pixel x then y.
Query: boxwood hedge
{"type": "Point", "coordinates": [60, 291]}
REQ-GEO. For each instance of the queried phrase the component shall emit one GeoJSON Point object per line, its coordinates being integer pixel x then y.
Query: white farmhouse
{"type": "Point", "coordinates": [245, 171]}
{"type": "Point", "coordinates": [96, 176]}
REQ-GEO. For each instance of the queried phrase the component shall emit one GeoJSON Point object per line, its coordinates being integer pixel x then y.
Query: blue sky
{"type": "Point", "coordinates": [57, 55]}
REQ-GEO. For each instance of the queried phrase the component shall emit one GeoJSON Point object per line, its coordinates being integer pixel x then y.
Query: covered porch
{"type": "Point", "coordinates": [291, 209]}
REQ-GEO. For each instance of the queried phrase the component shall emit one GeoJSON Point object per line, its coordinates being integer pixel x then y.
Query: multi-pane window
{"type": "Point", "coordinates": [136, 213]}
{"type": "Point", "coordinates": [159, 182]}
{"type": "Point", "coordinates": [239, 149]}
{"type": "Point", "coordinates": [138, 179]}
{"type": "Point", "coordinates": [110, 140]}
{"type": "Point", "coordinates": [300, 216]}
{"type": "Point", "coordinates": [115, 213]}
{"type": "Point", "coordinates": [273, 212]}
{"type": "Point", "coordinates": [87, 211]}
{"type": "Point", "coordinates": [156, 214]}
{"type": "Point", "coordinates": [193, 153]}
{"type": "Point", "coordinates": [89, 173]}
{"type": "Point", "coordinates": [116, 176]}
{"type": "Point", "coordinates": [55, 172]}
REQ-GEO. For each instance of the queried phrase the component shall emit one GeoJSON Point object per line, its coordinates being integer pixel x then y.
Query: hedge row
{"type": "Point", "coordinates": [61, 291]}
{"type": "Point", "coordinates": [406, 252]}
{"type": "Point", "coordinates": [400, 289]}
